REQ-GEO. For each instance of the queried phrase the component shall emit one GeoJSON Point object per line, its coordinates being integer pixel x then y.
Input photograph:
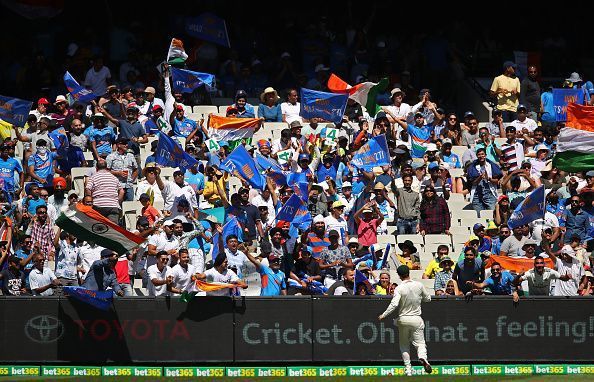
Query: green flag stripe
{"type": "Point", "coordinates": [573, 161]}
{"type": "Point", "coordinates": [83, 234]}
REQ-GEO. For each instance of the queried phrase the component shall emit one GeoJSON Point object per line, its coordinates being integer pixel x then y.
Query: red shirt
{"type": "Point", "coordinates": [121, 270]}
{"type": "Point", "coordinates": [367, 232]}
{"type": "Point", "coordinates": [151, 213]}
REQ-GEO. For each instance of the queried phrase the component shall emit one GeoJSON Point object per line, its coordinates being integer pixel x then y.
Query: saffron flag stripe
{"type": "Point", "coordinates": [229, 129]}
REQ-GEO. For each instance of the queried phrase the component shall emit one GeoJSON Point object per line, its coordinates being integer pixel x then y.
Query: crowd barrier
{"type": "Point", "coordinates": [295, 330]}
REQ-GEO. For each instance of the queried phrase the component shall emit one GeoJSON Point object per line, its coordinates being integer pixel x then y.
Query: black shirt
{"type": "Point", "coordinates": [252, 215]}
{"type": "Point", "coordinates": [11, 283]}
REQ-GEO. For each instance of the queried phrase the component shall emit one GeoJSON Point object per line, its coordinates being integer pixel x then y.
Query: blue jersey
{"type": "Point", "coordinates": [196, 181]}
{"type": "Point", "coordinates": [272, 282]}
{"type": "Point", "coordinates": [420, 137]}
{"type": "Point", "coordinates": [8, 168]}
{"type": "Point", "coordinates": [503, 286]}
{"type": "Point", "coordinates": [184, 127]}
{"type": "Point", "coordinates": [103, 138]}
{"type": "Point", "coordinates": [452, 160]}
{"type": "Point", "coordinates": [31, 204]}
{"type": "Point", "coordinates": [43, 167]}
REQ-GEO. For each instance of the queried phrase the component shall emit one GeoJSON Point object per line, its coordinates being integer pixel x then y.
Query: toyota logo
{"type": "Point", "coordinates": [44, 329]}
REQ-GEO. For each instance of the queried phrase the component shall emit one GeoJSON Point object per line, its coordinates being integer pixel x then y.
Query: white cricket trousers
{"type": "Point", "coordinates": [411, 329]}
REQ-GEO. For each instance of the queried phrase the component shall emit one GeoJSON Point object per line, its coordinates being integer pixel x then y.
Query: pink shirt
{"type": "Point", "coordinates": [367, 232]}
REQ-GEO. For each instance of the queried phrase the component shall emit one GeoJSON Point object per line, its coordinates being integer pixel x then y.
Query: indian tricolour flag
{"type": "Point", "coordinates": [176, 53]}
{"type": "Point", "coordinates": [231, 129]}
{"type": "Point", "coordinates": [364, 93]}
{"type": "Point", "coordinates": [87, 224]}
{"type": "Point", "coordinates": [575, 143]}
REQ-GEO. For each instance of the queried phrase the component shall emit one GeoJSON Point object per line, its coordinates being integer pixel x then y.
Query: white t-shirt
{"type": "Point", "coordinates": [539, 225]}
{"type": "Point", "coordinates": [172, 192]}
{"type": "Point", "coordinates": [540, 285]}
{"type": "Point", "coordinates": [227, 277]}
{"type": "Point", "coordinates": [291, 112]}
{"type": "Point", "coordinates": [569, 287]}
{"type": "Point", "coordinates": [337, 224]}
{"type": "Point", "coordinates": [155, 273]}
{"type": "Point", "coordinates": [38, 279]}
{"type": "Point", "coordinates": [182, 278]}
{"type": "Point", "coordinates": [88, 255]}
{"type": "Point", "coordinates": [402, 111]}
{"type": "Point", "coordinates": [162, 243]}
{"type": "Point", "coordinates": [528, 124]}
{"type": "Point", "coordinates": [236, 260]}
{"type": "Point", "coordinates": [97, 81]}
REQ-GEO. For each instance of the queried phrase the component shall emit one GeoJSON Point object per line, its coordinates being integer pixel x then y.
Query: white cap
{"type": "Point", "coordinates": [568, 251]}
{"type": "Point", "coordinates": [541, 147]}
{"type": "Point", "coordinates": [431, 147]}
{"type": "Point", "coordinates": [60, 98]}
{"type": "Point", "coordinates": [318, 219]}
{"type": "Point", "coordinates": [346, 184]}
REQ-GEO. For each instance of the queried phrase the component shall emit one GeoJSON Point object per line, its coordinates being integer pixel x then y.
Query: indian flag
{"type": "Point", "coordinates": [575, 143]}
{"type": "Point", "coordinates": [364, 93]}
{"type": "Point", "coordinates": [87, 224]}
{"type": "Point", "coordinates": [176, 53]}
{"type": "Point", "coordinates": [230, 129]}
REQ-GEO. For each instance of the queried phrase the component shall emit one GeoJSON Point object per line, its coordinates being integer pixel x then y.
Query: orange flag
{"type": "Point", "coordinates": [210, 287]}
{"type": "Point", "coordinates": [516, 265]}
{"type": "Point", "coordinates": [230, 129]}
{"type": "Point", "coordinates": [580, 117]}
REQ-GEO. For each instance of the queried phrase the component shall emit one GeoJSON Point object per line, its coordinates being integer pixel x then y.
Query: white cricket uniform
{"type": "Point", "coordinates": [411, 327]}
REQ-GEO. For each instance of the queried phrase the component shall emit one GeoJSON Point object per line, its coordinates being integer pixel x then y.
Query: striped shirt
{"type": "Point", "coordinates": [104, 187]}
{"type": "Point", "coordinates": [513, 155]}
{"type": "Point", "coordinates": [317, 245]}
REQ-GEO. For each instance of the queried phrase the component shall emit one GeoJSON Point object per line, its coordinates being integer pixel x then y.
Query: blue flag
{"type": "Point", "coordinates": [561, 97]}
{"type": "Point", "coordinates": [208, 27]}
{"type": "Point", "coordinates": [289, 209]}
{"type": "Point", "coordinates": [385, 257]}
{"type": "Point", "coordinates": [232, 227]}
{"type": "Point", "coordinates": [531, 209]}
{"type": "Point", "coordinates": [361, 279]}
{"type": "Point", "coordinates": [171, 154]}
{"type": "Point", "coordinates": [98, 299]}
{"type": "Point", "coordinates": [373, 153]}
{"type": "Point", "coordinates": [328, 106]}
{"type": "Point", "coordinates": [14, 111]}
{"type": "Point", "coordinates": [298, 182]}
{"type": "Point", "coordinates": [186, 81]}
{"type": "Point", "coordinates": [272, 170]}
{"type": "Point", "coordinates": [240, 163]}
{"type": "Point", "coordinates": [79, 93]}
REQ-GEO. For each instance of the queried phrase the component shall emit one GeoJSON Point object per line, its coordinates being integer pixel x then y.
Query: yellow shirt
{"type": "Point", "coordinates": [432, 269]}
{"type": "Point", "coordinates": [380, 290]}
{"type": "Point", "coordinates": [210, 189]}
{"type": "Point", "coordinates": [5, 129]}
{"type": "Point", "coordinates": [411, 262]}
{"type": "Point", "coordinates": [506, 101]}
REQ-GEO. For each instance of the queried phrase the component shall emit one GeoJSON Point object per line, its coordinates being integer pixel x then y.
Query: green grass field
{"type": "Point", "coordinates": [493, 378]}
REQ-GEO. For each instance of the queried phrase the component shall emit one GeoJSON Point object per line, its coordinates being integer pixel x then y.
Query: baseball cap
{"type": "Point", "coordinates": [295, 124]}
{"type": "Point", "coordinates": [157, 107]}
{"type": "Point", "coordinates": [478, 226]}
{"type": "Point", "coordinates": [179, 107]}
{"type": "Point", "coordinates": [521, 107]}
{"type": "Point", "coordinates": [589, 174]}
{"type": "Point", "coordinates": [431, 147]}
{"type": "Point", "coordinates": [337, 204]}
{"type": "Point", "coordinates": [347, 184]}
{"type": "Point", "coordinates": [333, 232]}
{"type": "Point", "coordinates": [507, 64]}
{"type": "Point", "coordinates": [230, 109]}
{"type": "Point", "coordinates": [433, 165]}
{"type": "Point", "coordinates": [107, 252]}
{"type": "Point", "coordinates": [59, 99]}
{"type": "Point", "coordinates": [473, 238]}
{"type": "Point", "coordinates": [469, 113]}
{"type": "Point", "coordinates": [446, 141]}
{"type": "Point", "coordinates": [149, 89]}
{"type": "Point", "coordinates": [303, 156]}
{"type": "Point", "coordinates": [43, 101]}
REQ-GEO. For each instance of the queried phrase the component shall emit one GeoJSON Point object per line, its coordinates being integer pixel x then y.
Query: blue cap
{"type": "Point", "coordinates": [507, 64]}
{"type": "Point", "coordinates": [433, 165]}
{"type": "Point", "coordinates": [468, 114]}
{"type": "Point", "coordinates": [303, 156]}
{"type": "Point", "coordinates": [520, 106]}
{"type": "Point", "coordinates": [223, 143]}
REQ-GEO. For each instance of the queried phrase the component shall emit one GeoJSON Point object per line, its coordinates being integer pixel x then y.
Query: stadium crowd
{"type": "Point", "coordinates": [442, 204]}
